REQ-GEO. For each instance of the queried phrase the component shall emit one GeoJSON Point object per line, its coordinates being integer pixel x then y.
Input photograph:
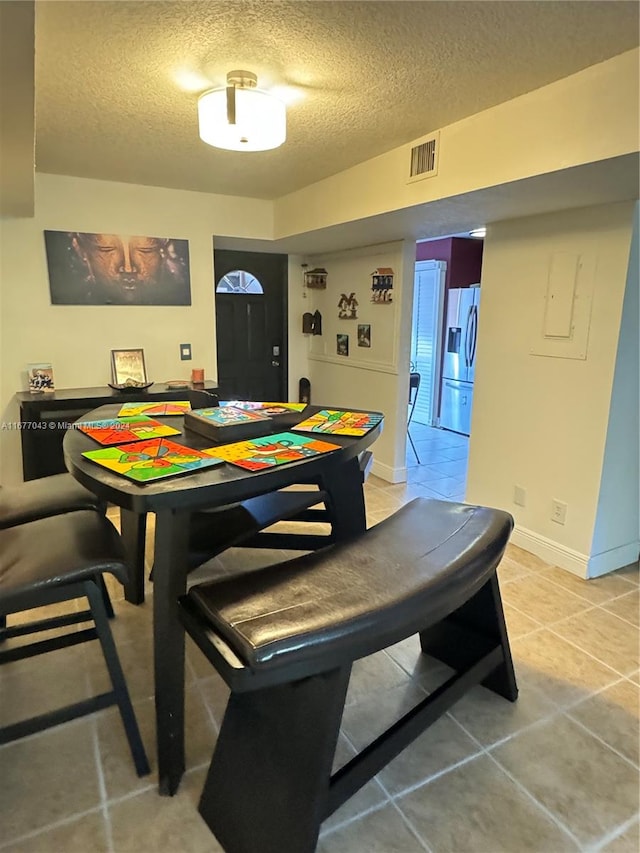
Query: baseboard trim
{"type": "Point", "coordinates": [386, 472]}
{"type": "Point", "coordinates": [616, 558]}
{"type": "Point", "coordinates": [551, 552]}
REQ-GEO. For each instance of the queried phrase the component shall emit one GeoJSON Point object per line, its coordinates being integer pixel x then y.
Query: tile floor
{"type": "Point", "coordinates": [441, 471]}
{"type": "Point", "coordinates": [556, 771]}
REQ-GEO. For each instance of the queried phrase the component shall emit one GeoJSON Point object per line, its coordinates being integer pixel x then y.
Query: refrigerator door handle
{"type": "Point", "coordinates": [467, 338]}
{"type": "Point", "coordinates": [474, 341]}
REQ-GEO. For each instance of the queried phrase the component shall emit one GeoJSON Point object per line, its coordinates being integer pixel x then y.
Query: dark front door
{"type": "Point", "coordinates": [251, 312]}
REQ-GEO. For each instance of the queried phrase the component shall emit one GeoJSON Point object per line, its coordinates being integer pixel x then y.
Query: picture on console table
{"type": "Point", "coordinates": [117, 269]}
{"type": "Point", "coordinates": [128, 368]}
{"type": "Point", "coordinates": [40, 378]}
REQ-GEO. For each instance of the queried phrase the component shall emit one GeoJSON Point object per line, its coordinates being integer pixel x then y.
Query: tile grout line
{"type": "Point", "coordinates": [353, 819]}
{"type": "Point", "coordinates": [546, 718]}
{"type": "Point", "coordinates": [438, 774]}
{"type": "Point", "coordinates": [541, 806]}
{"type": "Point", "coordinates": [550, 626]}
{"type": "Point", "coordinates": [603, 742]}
{"type": "Point", "coordinates": [423, 843]}
{"type": "Point", "coordinates": [203, 698]}
{"type": "Point", "coordinates": [632, 588]}
{"type": "Point", "coordinates": [102, 785]}
{"type": "Point", "coordinates": [613, 834]}
{"type": "Point", "coordinates": [589, 605]}
{"type": "Point", "coordinates": [585, 652]}
{"type": "Point", "coordinates": [65, 821]}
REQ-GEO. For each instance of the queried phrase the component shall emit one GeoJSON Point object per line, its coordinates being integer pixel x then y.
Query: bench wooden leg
{"type": "Point", "coordinates": [268, 783]}
{"type": "Point", "coordinates": [345, 500]}
{"type": "Point", "coordinates": [471, 631]}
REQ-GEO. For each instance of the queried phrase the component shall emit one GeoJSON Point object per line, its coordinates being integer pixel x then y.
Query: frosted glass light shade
{"type": "Point", "coordinates": [261, 120]}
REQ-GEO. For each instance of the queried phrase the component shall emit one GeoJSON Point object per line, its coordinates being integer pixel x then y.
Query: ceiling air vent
{"type": "Point", "coordinates": [424, 158]}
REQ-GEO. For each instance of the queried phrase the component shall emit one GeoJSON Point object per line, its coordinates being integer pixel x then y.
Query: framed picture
{"type": "Point", "coordinates": [342, 344]}
{"type": "Point", "coordinates": [40, 377]}
{"type": "Point", "coordinates": [364, 335]}
{"type": "Point", "coordinates": [117, 269]}
{"type": "Point", "coordinates": [128, 364]}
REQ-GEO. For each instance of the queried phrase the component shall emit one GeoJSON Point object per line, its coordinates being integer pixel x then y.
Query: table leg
{"type": "Point", "coordinates": [169, 582]}
{"type": "Point", "coordinates": [346, 500]}
{"type": "Point", "coordinates": [133, 528]}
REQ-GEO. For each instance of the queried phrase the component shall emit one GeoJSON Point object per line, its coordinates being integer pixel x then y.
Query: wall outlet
{"type": "Point", "coordinates": [520, 495]}
{"type": "Point", "coordinates": [558, 511]}
{"type": "Point", "coordinates": [185, 352]}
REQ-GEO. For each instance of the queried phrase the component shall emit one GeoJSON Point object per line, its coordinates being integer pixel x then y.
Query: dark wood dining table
{"type": "Point", "coordinates": [173, 500]}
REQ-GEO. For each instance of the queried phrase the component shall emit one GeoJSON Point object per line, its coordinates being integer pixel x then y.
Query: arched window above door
{"type": "Point", "coordinates": [239, 281]}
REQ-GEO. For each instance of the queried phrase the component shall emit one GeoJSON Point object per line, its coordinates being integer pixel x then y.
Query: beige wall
{"type": "Point", "coordinates": [375, 378]}
{"type": "Point", "coordinates": [589, 116]}
{"type": "Point", "coordinates": [298, 364]}
{"type": "Point", "coordinates": [540, 421]}
{"type": "Point", "coordinates": [77, 340]}
{"type": "Point", "coordinates": [616, 538]}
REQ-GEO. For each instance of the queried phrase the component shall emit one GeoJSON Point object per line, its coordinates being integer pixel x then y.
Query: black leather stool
{"type": "Point", "coordinates": [46, 497]}
{"type": "Point", "coordinates": [284, 640]}
{"type": "Point", "coordinates": [43, 498]}
{"type": "Point", "coordinates": [60, 559]}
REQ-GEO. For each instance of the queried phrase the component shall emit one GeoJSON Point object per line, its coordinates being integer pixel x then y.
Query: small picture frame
{"type": "Point", "coordinates": [364, 335]}
{"type": "Point", "coordinates": [342, 344]}
{"type": "Point", "coordinates": [40, 378]}
{"type": "Point", "coordinates": [128, 365]}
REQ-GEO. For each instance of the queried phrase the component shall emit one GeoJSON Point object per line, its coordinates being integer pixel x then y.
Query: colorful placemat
{"type": "Point", "coordinates": [265, 408]}
{"type": "Point", "coordinates": [228, 415]}
{"type": "Point", "coordinates": [146, 461]}
{"type": "Point", "coordinates": [121, 430]}
{"type": "Point", "coordinates": [158, 410]}
{"type": "Point", "coordinates": [335, 422]}
{"type": "Point", "coordinates": [225, 423]}
{"type": "Point", "coordinates": [271, 450]}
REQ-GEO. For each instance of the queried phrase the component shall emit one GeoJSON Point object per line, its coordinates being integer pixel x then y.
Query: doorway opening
{"type": "Point", "coordinates": [443, 351]}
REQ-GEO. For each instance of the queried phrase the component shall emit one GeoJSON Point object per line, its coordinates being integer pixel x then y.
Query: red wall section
{"type": "Point", "coordinates": [434, 250]}
{"type": "Point", "coordinates": [466, 261]}
{"type": "Point", "coordinates": [463, 256]}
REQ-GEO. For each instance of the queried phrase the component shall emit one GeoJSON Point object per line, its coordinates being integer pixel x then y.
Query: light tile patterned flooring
{"type": "Point", "coordinates": [558, 770]}
{"type": "Point", "coordinates": [442, 470]}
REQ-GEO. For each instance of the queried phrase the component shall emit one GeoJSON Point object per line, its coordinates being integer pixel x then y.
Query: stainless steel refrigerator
{"type": "Point", "coordinates": [458, 365]}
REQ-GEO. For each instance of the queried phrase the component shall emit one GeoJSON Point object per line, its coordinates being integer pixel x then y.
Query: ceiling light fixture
{"type": "Point", "coordinates": [242, 117]}
{"type": "Point", "coordinates": [478, 232]}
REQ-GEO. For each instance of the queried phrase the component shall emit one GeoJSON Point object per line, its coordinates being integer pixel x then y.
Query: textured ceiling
{"type": "Point", "coordinates": [117, 82]}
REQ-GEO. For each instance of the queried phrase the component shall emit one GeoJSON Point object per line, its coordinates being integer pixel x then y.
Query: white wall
{"type": "Point", "coordinates": [298, 363]}
{"type": "Point", "coordinates": [76, 339]}
{"type": "Point", "coordinates": [583, 118]}
{"type": "Point", "coordinates": [616, 539]}
{"type": "Point", "coordinates": [540, 421]}
{"type": "Point", "coordinates": [375, 378]}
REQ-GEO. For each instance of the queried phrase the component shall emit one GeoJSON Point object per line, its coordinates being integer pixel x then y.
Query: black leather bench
{"type": "Point", "coordinates": [214, 531]}
{"type": "Point", "coordinates": [244, 524]}
{"type": "Point", "coordinates": [284, 640]}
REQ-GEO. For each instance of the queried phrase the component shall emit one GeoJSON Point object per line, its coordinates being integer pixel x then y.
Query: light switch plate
{"type": "Point", "coordinates": [185, 352]}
